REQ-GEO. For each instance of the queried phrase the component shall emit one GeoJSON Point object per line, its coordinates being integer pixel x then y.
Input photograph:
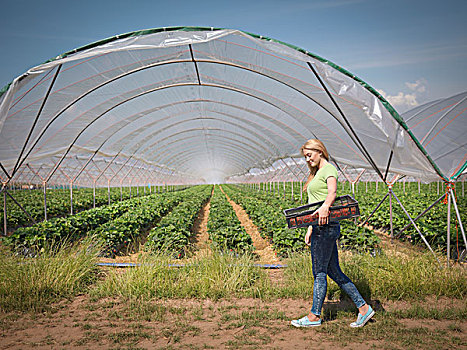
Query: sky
{"type": "Point", "coordinates": [412, 51]}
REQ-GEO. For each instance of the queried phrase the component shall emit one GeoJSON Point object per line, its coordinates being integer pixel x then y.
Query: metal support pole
{"type": "Point", "coordinates": [45, 200]}
{"type": "Point", "coordinates": [449, 231]}
{"type": "Point", "coordinates": [459, 218]}
{"type": "Point", "coordinates": [19, 205]}
{"type": "Point", "coordinates": [374, 210]}
{"type": "Point", "coordinates": [390, 212]}
{"type": "Point", "coordinates": [94, 194]}
{"type": "Point", "coordinates": [5, 229]}
{"type": "Point", "coordinates": [19, 162]}
{"type": "Point", "coordinates": [414, 224]}
{"type": "Point", "coordinates": [108, 189]}
{"type": "Point", "coordinates": [420, 215]}
{"type": "Point", "coordinates": [71, 198]}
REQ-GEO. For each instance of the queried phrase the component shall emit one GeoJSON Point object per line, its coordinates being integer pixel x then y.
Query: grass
{"type": "Point", "coordinates": [213, 276]}
{"type": "Point", "coordinates": [385, 276]}
{"type": "Point", "coordinates": [65, 270]}
{"type": "Point", "coordinates": [418, 311]}
{"type": "Point", "coordinates": [31, 284]}
{"type": "Point", "coordinates": [387, 329]}
{"type": "Point", "coordinates": [133, 297]}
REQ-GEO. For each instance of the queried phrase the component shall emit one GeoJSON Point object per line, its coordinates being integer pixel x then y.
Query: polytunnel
{"type": "Point", "coordinates": [187, 105]}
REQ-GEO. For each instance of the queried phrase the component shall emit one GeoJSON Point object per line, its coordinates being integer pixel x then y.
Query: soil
{"type": "Point", "coordinates": [263, 248]}
{"type": "Point", "coordinates": [201, 239]}
{"type": "Point", "coordinates": [206, 324]}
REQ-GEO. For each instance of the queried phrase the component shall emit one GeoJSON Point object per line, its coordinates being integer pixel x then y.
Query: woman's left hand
{"type": "Point", "coordinates": [323, 213]}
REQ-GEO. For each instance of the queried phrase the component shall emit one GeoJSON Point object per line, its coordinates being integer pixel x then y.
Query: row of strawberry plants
{"type": "Point", "coordinates": [224, 227]}
{"type": "Point", "coordinates": [266, 211]}
{"type": "Point", "coordinates": [107, 221]}
{"type": "Point", "coordinates": [267, 215]}
{"type": "Point", "coordinates": [119, 234]}
{"type": "Point", "coordinates": [433, 225]}
{"type": "Point", "coordinates": [58, 203]}
{"type": "Point", "coordinates": [72, 227]}
{"type": "Point", "coordinates": [173, 232]}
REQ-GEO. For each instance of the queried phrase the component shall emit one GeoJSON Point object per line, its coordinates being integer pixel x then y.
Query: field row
{"type": "Point", "coordinates": [165, 221]}
{"type": "Point", "coordinates": [63, 202]}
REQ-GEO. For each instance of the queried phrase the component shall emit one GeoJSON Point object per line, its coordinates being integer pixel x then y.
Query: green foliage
{"type": "Point", "coordinates": [62, 270]}
{"type": "Point", "coordinates": [357, 238]}
{"type": "Point", "coordinates": [224, 228]}
{"type": "Point", "coordinates": [433, 225]}
{"type": "Point", "coordinates": [267, 215]}
{"type": "Point", "coordinates": [266, 211]}
{"type": "Point", "coordinates": [117, 225]}
{"type": "Point", "coordinates": [173, 232]}
{"type": "Point", "coordinates": [387, 276]}
{"type": "Point", "coordinates": [72, 227]}
{"type": "Point", "coordinates": [218, 275]}
{"type": "Point", "coordinates": [125, 230]}
{"type": "Point", "coordinates": [58, 203]}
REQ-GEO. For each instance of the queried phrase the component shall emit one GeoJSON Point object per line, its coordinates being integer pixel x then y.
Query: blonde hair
{"type": "Point", "coordinates": [313, 145]}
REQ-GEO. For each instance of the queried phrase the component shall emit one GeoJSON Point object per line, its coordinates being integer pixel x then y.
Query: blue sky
{"type": "Point", "coordinates": [412, 51]}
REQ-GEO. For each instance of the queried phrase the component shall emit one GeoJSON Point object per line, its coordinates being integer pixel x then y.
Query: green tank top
{"type": "Point", "coordinates": [318, 189]}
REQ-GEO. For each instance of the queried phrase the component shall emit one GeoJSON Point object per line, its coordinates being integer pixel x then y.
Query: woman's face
{"type": "Point", "coordinates": [312, 156]}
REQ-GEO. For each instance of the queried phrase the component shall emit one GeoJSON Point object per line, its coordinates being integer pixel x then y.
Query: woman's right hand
{"type": "Point", "coordinates": [308, 235]}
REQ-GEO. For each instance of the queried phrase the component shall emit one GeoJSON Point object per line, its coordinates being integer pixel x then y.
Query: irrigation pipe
{"type": "Point", "coordinates": [264, 266]}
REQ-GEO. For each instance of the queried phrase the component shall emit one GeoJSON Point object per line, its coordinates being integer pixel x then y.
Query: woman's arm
{"type": "Point", "coordinates": [323, 211]}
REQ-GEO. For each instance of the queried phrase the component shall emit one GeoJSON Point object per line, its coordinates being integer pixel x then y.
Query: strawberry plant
{"type": "Point", "coordinates": [173, 232]}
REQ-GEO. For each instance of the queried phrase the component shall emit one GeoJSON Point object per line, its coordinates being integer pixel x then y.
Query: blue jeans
{"type": "Point", "coordinates": [325, 261]}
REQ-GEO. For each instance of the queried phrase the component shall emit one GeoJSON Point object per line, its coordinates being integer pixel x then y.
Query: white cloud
{"type": "Point", "coordinates": [419, 86]}
{"type": "Point", "coordinates": [401, 99]}
{"type": "Point", "coordinates": [406, 100]}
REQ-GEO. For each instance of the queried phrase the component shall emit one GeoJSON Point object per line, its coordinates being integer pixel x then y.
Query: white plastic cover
{"type": "Point", "coordinates": [191, 105]}
{"type": "Point", "coordinates": [441, 127]}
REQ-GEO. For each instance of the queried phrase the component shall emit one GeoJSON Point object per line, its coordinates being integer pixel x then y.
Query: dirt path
{"type": "Point", "coordinates": [83, 323]}
{"type": "Point", "coordinates": [201, 239]}
{"type": "Point", "coordinates": [263, 248]}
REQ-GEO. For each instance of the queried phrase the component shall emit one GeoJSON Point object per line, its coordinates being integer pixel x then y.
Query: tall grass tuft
{"type": "Point", "coordinates": [217, 275]}
{"type": "Point", "coordinates": [60, 270]}
{"type": "Point", "coordinates": [298, 276]}
{"type": "Point", "coordinates": [387, 276]}
{"type": "Point", "coordinates": [398, 276]}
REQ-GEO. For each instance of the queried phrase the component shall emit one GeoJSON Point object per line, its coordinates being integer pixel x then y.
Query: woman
{"type": "Point", "coordinates": [322, 186]}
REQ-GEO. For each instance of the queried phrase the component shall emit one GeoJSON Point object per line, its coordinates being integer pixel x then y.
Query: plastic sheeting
{"type": "Point", "coordinates": [441, 127]}
{"type": "Point", "coordinates": [193, 105]}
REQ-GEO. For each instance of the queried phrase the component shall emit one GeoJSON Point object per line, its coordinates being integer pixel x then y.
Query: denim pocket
{"type": "Point", "coordinates": [334, 231]}
{"type": "Point", "coordinates": [330, 231]}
